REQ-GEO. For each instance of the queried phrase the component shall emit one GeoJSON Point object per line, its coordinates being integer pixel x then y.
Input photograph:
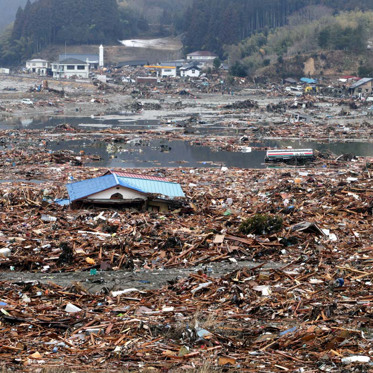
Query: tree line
{"type": "Point", "coordinates": [211, 24]}
{"type": "Point", "coordinates": [46, 22]}
{"type": "Point", "coordinates": [347, 31]}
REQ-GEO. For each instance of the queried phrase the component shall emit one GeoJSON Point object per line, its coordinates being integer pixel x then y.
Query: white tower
{"type": "Point", "coordinates": [101, 56]}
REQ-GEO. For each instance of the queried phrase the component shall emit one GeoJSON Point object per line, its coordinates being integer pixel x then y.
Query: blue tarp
{"type": "Point", "coordinates": [308, 80]}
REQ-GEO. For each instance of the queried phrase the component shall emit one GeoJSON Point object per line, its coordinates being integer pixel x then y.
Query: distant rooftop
{"type": "Point", "coordinates": [92, 58]}
{"type": "Point", "coordinates": [202, 54]}
{"type": "Point", "coordinates": [360, 82]}
{"type": "Point", "coordinates": [72, 61]}
{"type": "Point", "coordinates": [37, 60]}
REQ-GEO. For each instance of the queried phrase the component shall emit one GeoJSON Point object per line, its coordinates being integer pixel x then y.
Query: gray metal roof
{"type": "Point", "coordinates": [92, 58]}
{"type": "Point", "coordinates": [72, 61]}
{"type": "Point", "coordinates": [360, 82]}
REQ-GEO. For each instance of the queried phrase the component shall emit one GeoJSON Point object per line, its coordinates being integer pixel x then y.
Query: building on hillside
{"type": "Point", "coordinates": [70, 68]}
{"type": "Point", "coordinates": [191, 70]}
{"type": "Point", "coordinates": [363, 87]}
{"type": "Point", "coordinates": [38, 66]}
{"type": "Point", "coordinates": [123, 189]}
{"type": "Point", "coordinates": [201, 56]}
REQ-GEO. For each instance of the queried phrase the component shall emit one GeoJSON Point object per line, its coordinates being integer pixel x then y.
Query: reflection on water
{"type": "Point", "coordinates": [161, 153]}
{"type": "Point", "coordinates": [44, 122]}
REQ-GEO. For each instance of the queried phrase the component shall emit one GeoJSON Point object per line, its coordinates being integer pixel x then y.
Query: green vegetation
{"type": "Point", "coordinates": [348, 31]}
{"type": "Point", "coordinates": [253, 33]}
{"type": "Point", "coordinates": [46, 22]}
{"type": "Point", "coordinates": [261, 224]}
{"type": "Point", "coordinates": [211, 24]}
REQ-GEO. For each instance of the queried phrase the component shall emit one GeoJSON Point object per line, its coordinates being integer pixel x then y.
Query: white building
{"type": "Point", "coordinates": [201, 56]}
{"type": "Point", "coordinates": [69, 68]}
{"type": "Point", "coordinates": [190, 70]}
{"type": "Point", "coordinates": [38, 66]}
{"type": "Point", "coordinates": [168, 71]}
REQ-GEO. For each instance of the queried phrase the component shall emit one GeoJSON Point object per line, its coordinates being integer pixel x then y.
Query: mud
{"type": "Point", "coordinates": [142, 279]}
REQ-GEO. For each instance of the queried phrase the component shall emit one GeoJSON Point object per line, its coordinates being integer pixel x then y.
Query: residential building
{"type": "Point", "coordinates": [191, 70]}
{"type": "Point", "coordinates": [363, 87]}
{"type": "Point", "coordinates": [38, 66]}
{"type": "Point", "coordinates": [203, 56]}
{"type": "Point", "coordinates": [126, 189]}
{"type": "Point", "coordinates": [163, 71]}
{"type": "Point", "coordinates": [69, 68]}
{"type": "Point", "coordinates": [93, 60]}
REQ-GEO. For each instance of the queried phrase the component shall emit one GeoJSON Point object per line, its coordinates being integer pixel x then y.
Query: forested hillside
{"type": "Point", "coordinates": [71, 21]}
{"type": "Point", "coordinates": [210, 24]}
{"type": "Point", "coordinates": [215, 25]}
{"type": "Point", "coordinates": [8, 9]}
{"type": "Point", "coordinates": [287, 48]}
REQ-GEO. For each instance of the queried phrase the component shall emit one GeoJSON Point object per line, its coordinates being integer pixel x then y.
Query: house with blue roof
{"type": "Point", "coordinates": [126, 189]}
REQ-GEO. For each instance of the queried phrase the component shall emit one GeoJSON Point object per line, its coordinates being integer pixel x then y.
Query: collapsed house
{"type": "Point", "coordinates": [123, 189]}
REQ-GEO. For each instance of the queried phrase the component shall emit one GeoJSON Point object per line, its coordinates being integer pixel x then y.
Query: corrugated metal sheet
{"type": "Point", "coordinates": [85, 188]}
{"type": "Point", "coordinates": [137, 176]}
{"type": "Point", "coordinates": [153, 186]}
{"type": "Point", "coordinates": [360, 82]}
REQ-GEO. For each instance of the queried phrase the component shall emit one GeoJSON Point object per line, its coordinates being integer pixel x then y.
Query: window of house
{"type": "Point", "coordinates": [81, 67]}
{"type": "Point", "coordinates": [70, 67]}
{"type": "Point", "coordinates": [167, 70]}
{"type": "Point", "coordinates": [193, 71]}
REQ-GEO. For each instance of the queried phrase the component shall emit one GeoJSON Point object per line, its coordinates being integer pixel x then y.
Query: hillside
{"type": "Point", "coordinates": [285, 51]}
{"type": "Point", "coordinates": [211, 24]}
{"type": "Point", "coordinates": [8, 11]}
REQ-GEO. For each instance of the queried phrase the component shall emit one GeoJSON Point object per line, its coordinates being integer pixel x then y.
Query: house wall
{"type": "Point", "coordinates": [62, 71]}
{"type": "Point", "coordinates": [158, 206]}
{"type": "Point", "coordinates": [38, 67]}
{"type": "Point", "coordinates": [190, 73]}
{"type": "Point", "coordinates": [128, 194]}
{"type": "Point", "coordinates": [168, 72]}
{"type": "Point", "coordinates": [365, 88]}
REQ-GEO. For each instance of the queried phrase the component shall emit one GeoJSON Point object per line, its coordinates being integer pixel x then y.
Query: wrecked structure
{"type": "Point", "coordinates": [126, 189]}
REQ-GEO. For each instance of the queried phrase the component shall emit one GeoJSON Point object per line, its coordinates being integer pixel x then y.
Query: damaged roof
{"type": "Point", "coordinates": [140, 183]}
{"type": "Point", "coordinates": [360, 82]}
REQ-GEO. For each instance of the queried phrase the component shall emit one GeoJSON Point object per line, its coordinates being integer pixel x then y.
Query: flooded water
{"type": "Point", "coordinates": [89, 123]}
{"type": "Point", "coordinates": [161, 153]}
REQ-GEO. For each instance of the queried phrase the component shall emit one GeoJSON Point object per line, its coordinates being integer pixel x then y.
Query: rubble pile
{"type": "Point", "coordinates": [306, 316]}
{"type": "Point", "coordinates": [253, 271]}
{"type": "Point", "coordinates": [206, 228]}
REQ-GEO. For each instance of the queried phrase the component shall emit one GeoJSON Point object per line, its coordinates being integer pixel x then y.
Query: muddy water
{"type": "Point", "coordinates": [158, 153]}
{"type": "Point", "coordinates": [120, 280]}
{"type": "Point", "coordinates": [161, 153]}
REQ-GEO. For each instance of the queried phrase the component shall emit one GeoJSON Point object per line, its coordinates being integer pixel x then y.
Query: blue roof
{"type": "Point", "coordinates": [85, 188]}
